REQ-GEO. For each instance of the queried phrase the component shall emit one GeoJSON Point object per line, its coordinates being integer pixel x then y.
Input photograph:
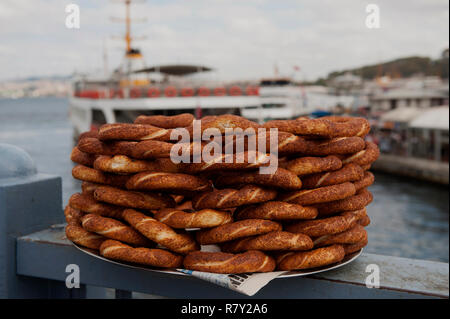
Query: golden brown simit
{"type": "Point", "coordinates": [87, 203]}
{"type": "Point", "coordinates": [82, 237]}
{"type": "Point", "coordinates": [358, 201]}
{"type": "Point", "coordinates": [311, 259]}
{"type": "Point", "coordinates": [348, 173]}
{"type": "Point", "coordinates": [310, 165]}
{"type": "Point", "coordinates": [160, 233]}
{"type": "Point", "coordinates": [231, 231]}
{"type": "Point", "coordinates": [334, 146]}
{"type": "Point", "coordinates": [116, 250]}
{"type": "Point", "coordinates": [167, 122]}
{"type": "Point", "coordinates": [133, 132]}
{"type": "Point", "coordinates": [351, 236]}
{"type": "Point", "coordinates": [223, 263]}
{"type": "Point", "coordinates": [133, 199]}
{"type": "Point", "coordinates": [159, 181]}
{"type": "Point", "coordinates": [227, 198]}
{"type": "Point", "coordinates": [87, 174]}
{"type": "Point", "coordinates": [204, 218]}
{"type": "Point", "coordinates": [276, 240]}
{"type": "Point", "coordinates": [281, 178]}
{"type": "Point", "coordinates": [275, 210]}
{"type": "Point", "coordinates": [113, 229]}
{"type": "Point", "coordinates": [320, 195]}
{"type": "Point", "coordinates": [327, 226]}
{"type": "Point", "coordinates": [82, 158]}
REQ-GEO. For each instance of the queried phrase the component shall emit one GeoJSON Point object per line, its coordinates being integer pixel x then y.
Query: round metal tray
{"type": "Point", "coordinates": [348, 259]}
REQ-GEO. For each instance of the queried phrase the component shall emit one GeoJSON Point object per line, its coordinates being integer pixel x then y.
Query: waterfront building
{"type": "Point", "coordinates": [405, 97]}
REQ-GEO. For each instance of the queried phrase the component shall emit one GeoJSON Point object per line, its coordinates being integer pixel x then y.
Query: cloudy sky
{"type": "Point", "coordinates": [241, 39]}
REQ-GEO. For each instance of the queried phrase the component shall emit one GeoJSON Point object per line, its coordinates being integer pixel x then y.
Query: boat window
{"type": "Point", "coordinates": [98, 117]}
{"type": "Point", "coordinates": [279, 82]}
{"type": "Point", "coordinates": [128, 116]}
{"type": "Point", "coordinates": [268, 106]}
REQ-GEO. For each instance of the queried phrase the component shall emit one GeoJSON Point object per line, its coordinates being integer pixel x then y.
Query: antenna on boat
{"type": "Point", "coordinates": [127, 20]}
{"type": "Point", "coordinates": [132, 54]}
{"type": "Point", "coordinates": [105, 58]}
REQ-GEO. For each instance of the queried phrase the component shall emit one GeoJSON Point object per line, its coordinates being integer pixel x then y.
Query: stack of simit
{"type": "Point", "coordinates": [138, 206]}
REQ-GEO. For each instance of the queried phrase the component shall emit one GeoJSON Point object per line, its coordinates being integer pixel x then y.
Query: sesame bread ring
{"type": "Point", "coordinates": [204, 218]}
{"type": "Point", "coordinates": [304, 126]}
{"type": "Point", "coordinates": [350, 236]}
{"type": "Point", "coordinates": [121, 164]}
{"type": "Point", "coordinates": [367, 180]}
{"type": "Point", "coordinates": [160, 233]}
{"type": "Point", "coordinates": [113, 229]}
{"type": "Point", "coordinates": [228, 198]}
{"type": "Point", "coordinates": [323, 127]}
{"type": "Point", "coordinates": [116, 250]}
{"type": "Point", "coordinates": [340, 145]}
{"type": "Point", "coordinates": [174, 121]}
{"type": "Point", "coordinates": [93, 133]}
{"type": "Point", "coordinates": [310, 165]}
{"type": "Point", "coordinates": [348, 173]}
{"type": "Point", "coordinates": [243, 228]}
{"type": "Point", "coordinates": [240, 161]}
{"type": "Point", "coordinates": [89, 188]}
{"type": "Point", "coordinates": [275, 210]}
{"type": "Point", "coordinates": [92, 175]}
{"type": "Point", "coordinates": [327, 226]}
{"type": "Point", "coordinates": [82, 158]}
{"type": "Point", "coordinates": [349, 126]}
{"type": "Point", "coordinates": [168, 182]}
{"type": "Point", "coordinates": [132, 132]}
{"type": "Point", "coordinates": [87, 203]}
{"type": "Point", "coordinates": [92, 145]}
{"type": "Point", "coordinates": [358, 214]}
{"type": "Point", "coordinates": [82, 237]}
{"type": "Point", "coordinates": [166, 165]}
{"type": "Point", "coordinates": [281, 178]}
{"type": "Point", "coordinates": [133, 199]}
{"type": "Point", "coordinates": [320, 195]}
{"type": "Point", "coordinates": [358, 201]}
{"type": "Point", "coordinates": [224, 122]}
{"type": "Point", "coordinates": [287, 143]}
{"type": "Point", "coordinates": [311, 259]}
{"type": "Point", "coordinates": [151, 149]}
{"type": "Point", "coordinates": [364, 157]}
{"type": "Point", "coordinates": [276, 240]}
{"type": "Point", "coordinates": [224, 263]}
{"type": "Point", "coordinates": [73, 216]}
{"type": "Point", "coordinates": [364, 221]}
{"type": "Point", "coordinates": [351, 248]}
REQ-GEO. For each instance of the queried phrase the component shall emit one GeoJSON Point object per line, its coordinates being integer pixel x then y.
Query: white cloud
{"type": "Point", "coordinates": [242, 39]}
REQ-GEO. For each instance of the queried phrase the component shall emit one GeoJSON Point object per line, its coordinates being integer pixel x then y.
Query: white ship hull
{"type": "Point", "coordinates": [248, 106]}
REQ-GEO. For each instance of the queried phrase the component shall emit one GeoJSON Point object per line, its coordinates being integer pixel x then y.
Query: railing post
{"type": "Point", "coordinates": [28, 202]}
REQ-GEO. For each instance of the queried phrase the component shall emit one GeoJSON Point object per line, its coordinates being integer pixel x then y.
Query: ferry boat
{"type": "Point", "coordinates": [95, 102]}
{"type": "Point", "coordinates": [134, 89]}
{"type": "Point", "coordinates": [172, 89]}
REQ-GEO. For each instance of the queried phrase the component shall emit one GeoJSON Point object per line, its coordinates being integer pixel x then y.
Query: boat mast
{"type": "Point", "coordinates": [133, 56]}
{"type": "Point", "coordinates": [128, 25]}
